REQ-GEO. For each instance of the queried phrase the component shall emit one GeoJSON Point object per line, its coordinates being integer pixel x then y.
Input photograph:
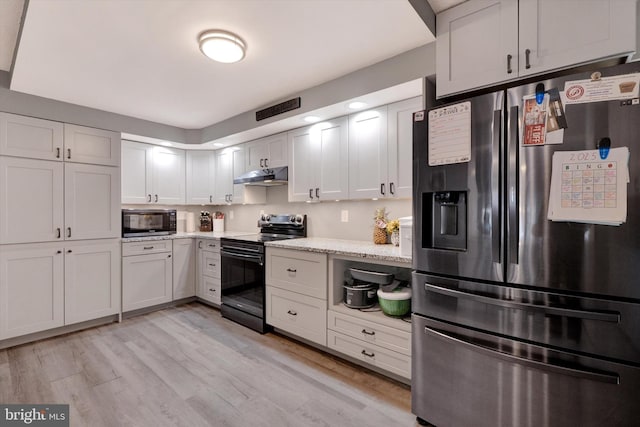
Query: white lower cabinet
{"type": "Point", "coordinates": [209, 287]}
{"type": "Point", "coordinates": [298, 314]}
{"type": "Point", "coordinates": [146, 280]}
{"type": "Point", "coordinates": [48, 285]}
{"type": "Point", "coordinates": [92, 280]}
{"type": "Point", "coordinates": [184, 268]}
{"type": "Point", "coordinates": [375, 355]}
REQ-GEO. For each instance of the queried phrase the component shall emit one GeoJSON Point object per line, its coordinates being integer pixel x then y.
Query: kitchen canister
{"type": "Point", "coordinates": [218, 224]}
{"type": "Point", "coordinates": [406, 235]}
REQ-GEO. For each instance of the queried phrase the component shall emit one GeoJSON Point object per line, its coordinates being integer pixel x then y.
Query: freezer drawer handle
{"type": "Point", "coordinates": [613, 317]}
{"type": "Point", "coordinates": [580, 373]}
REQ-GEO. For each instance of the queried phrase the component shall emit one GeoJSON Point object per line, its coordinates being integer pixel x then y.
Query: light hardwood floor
{"type": "Point", "coordinates": [187, 366]}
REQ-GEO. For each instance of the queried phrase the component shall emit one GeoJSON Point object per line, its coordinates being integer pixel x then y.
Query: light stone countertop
{"type": "Point", "coordinates": [185, 235]}
{"type": "Point", "coordinates": [357, 248]}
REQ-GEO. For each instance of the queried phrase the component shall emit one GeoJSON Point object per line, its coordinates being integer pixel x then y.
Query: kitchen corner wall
{"type": "Point", "coordinates": [323, 219]}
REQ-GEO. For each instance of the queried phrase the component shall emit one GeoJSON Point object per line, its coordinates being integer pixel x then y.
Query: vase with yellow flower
{"type": "Point", "coordinates": [393, 228]}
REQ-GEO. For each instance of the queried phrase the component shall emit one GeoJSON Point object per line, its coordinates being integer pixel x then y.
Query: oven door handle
{"type": "Point", "coordinates": [255, 258]}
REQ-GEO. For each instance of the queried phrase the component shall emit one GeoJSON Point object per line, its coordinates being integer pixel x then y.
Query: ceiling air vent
{"type": "Point", "coordinates": [274, 110]}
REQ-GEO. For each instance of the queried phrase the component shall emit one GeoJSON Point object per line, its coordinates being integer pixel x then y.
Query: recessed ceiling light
{"type": "Point", "coordinates": [218, 144]}
{"type": "Point", "coordinates": [356, 105]}
{"type": "Point", "coordinates": [311, 119]}
{"type": "Point", "coordinates": [166, 144]}
{"type": "Point", "coordinates": [222, 46]}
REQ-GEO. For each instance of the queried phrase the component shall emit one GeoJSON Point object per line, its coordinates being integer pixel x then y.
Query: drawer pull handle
{"type": "Point", "coordinates": [211, 245]}
{"type": "Point", "coordinates": [58, 233]}
{"type": "Point", "coordinates": [68, 231]}
{"type": "Point", "coordinates": [527, 54]}
{"type": "Point", "coordinates": [149, 195]}
{"type": "Point", "coordinates": [58, 252]}
{"type": "Point", "coordinates": [211, 290]}
{"type": "Point", "coordinates": [68, 153]}
{"type": "Point", "coordinates": [364, 353]}
{"type": "Point", "coordinates": [291, 270]}
{"type": "Point", "coordinates": [69, 251]}
{"type": "Point", "coordinates": [147, 247]}
{"type": "Point", "coordinates": [291, 312]}
{"type": "Point", "coordinates": [364, 331]}
{"type": "Point", "coordinates": [212, 265]}
{"type": "Point", "coordinates": [57, 152]}
{"type": "Point", "coordinates": [509, 69]}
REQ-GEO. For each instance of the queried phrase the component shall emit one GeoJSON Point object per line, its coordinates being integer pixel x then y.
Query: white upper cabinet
{"type": "Point", "coordinates": [200, 177]}
{"type": "Point", "coordinates": [484, 42]}
{"type": "Point", "coordinates": [152, 174]}
{"type": "Point", "coordinates": [92, 202]}
{"type": "Point", "coordinates": [31, 200]}
{"type": "Point", "coordinates": [268, 152]}
{"type": "Point", "coordinates": [318, 161]}
{"type": "Point", "coordinates": [23, 136]}
{"type": "Point", "coordinates": [224, 175]}
{"type": "Point", "coordinates": [400, 146]}
{"type": "Point", "coordinates": [88, 145]}
{"type": "Point", "coordinates": [368, 154]}
{"type": "Point", "coordinates": [229, 163]}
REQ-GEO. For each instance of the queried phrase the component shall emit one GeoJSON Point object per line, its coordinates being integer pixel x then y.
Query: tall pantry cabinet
{"type": "Point", "coordinates": [59, 224]}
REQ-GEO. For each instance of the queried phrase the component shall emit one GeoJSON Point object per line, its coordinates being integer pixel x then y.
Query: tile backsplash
{"type": "Point", "coordinates": [323, 219]}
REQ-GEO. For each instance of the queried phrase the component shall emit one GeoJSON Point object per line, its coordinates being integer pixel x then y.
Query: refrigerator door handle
{"type": "Point", "coordinates": [514, 203]}
{"type": "Point", "coordinates": [604, 377]}
{"type": "Point", "coordinates": [495, 187]}
{"type": "Point", "coordinates": [613, 317]}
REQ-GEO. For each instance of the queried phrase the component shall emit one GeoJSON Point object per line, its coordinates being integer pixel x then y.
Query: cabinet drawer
{"type": "Point", "coordinates": [148, 247]}
{"type": "Point", "coordinates": [297, 271]}
{"type": "Point", "coordinates": [370, 332]}
{"type": "Point", "coordinates": [298, 314]}
{"type": "Point", "coordinates": [210, 289]}
{"type": "Point", "coordinates": [380, 357]}
{"type": "Point", "coordinates": [210, 245]}
{"type": "Point", "coordinates": [210, 264]}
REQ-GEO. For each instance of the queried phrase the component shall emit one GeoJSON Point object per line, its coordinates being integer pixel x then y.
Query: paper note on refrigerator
{"type": "Point", "coordinates": [588, 189]}
{"type": "Point", "coordinates": [450, 134]}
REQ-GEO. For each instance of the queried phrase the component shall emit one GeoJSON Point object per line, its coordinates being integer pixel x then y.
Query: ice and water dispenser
{"type": "Point", "coordinates": [444, 220]}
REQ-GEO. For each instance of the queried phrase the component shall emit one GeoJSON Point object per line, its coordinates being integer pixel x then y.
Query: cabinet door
{"type": "Point", "coordinates": [276, 150]}
{"type": "Point", "coordinates": [184, 268]}
{"type": "Point", "coordinates": [210, 264]}
{"type": "Point", "coordinates": [400, 146]}
{"type": "Point", "coordinates": [368, 154]}
{"type": "Point", "coordinates": [210, 289]}
{"type": "Point", "coordinates": [31, 200]}
{"type": "Point", "coordinates": [31, 289]}
{"type": "Point", "coordinates": [298, 314]}
{"type": "Point", "coordinates": [604, 28]}
{"type": "Point", "coordinates": [257, 152]}
{"type": "Point", "coordinates": [238, 167]}
{"type": "Point", "coordinates": [200, 177]}
{"type": "Point", "coordinates": [473, 44]}
{"type": "Point", "coordinates": [23, 136]}
{"type": "Point", "coordinates": [224, 175]}
{"type": "Point", "coordinates": [332, 163]}
{"type": "Point", "coordinates": [91, 202]}
{"type": "Point", "coordinates": [302, 165]}
{"type": "Point", "coordinates": [146, 280]}
{"type": "Point", "coordinates": [136, 172]}
{"type": "Point", "coordinates": [92, 280]}
{"type": "Point", "coordinates": [168, 177]}
{"type": "Point", "coordinates": [89, 145]}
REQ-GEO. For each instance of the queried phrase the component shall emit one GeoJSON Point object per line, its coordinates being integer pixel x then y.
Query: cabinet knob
{"type": "Point", "coordinates": [169, 256]}
{"type": "Point", "coordinates": [58, 252]}
{"type": "Point", "coordinates": [509, 69]}
{"type": "Point", "coordinates": [527, 56]}
{"type": "Point", "coordinates": [69, 251]}
{"type": "Point", "coordinates": [291, 312]}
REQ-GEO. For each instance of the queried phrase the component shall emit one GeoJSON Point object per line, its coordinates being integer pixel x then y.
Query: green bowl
{"type": "Point", "coordinates": [394, 307]}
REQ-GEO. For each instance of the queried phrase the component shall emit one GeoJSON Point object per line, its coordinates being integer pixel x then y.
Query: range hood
{"type": "Point", "coordinates": [266, 177]}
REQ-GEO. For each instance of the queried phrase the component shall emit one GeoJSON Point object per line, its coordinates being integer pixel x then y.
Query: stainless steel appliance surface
{"type": "Point", "coordinates": [519, 320]}
{"type": "Point", "coordinates": [148, 222]}
{"type": "Point", "coordinates": [243, 268]}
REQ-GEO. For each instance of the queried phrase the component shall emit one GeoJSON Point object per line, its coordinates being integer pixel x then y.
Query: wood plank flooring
{"type": "Point", "coordinates": [187, 366]}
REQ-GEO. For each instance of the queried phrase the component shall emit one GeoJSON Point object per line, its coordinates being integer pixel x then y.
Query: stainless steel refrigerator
{"type": "Point", "coordinates": [519, 320]}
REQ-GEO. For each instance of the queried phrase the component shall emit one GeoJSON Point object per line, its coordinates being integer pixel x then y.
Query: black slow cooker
{"type": "Point", "coordinates": [360, 295]}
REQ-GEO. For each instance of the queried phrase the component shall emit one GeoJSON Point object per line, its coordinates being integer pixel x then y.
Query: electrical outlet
{"type": "Point", "coordinates": [344, 216]}
{"type": "Point", "coordinates": [261, 212]}
{"type": "Point", "coordinates": [230, 214]}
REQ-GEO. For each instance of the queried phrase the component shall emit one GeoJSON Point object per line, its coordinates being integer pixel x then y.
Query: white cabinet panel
{"type": "Point", "coordinates": [23, 136]}
{"type": "Point", "coordinates": [200, 177]}
{"type": "Point", "coordinates": [146, 280]}
{"type": "Point", "coordinates": [368, 154]}
{"type": "Point", "coordinates": [210, 289]}
{"type": "Point", "coordinates": [400, 147]}
{"type": "Point", "coordinates": [210, 264]}
{"type": "Point", "coordinates": [31, 200]}
{"type": "Point", "coordinates": [184, 268]}
{"type": "Point", "coordinates": [92, 195]}
{"type": "Point", "coordinates": [137, 164]}
{"type": "Point", "coordinates": [88, 145]}
{"type": "Point", "coordinates": [318, 161]}
{"type": "Point", "coordinates": [298, 314]}
{"type": "Point", "coordinates": [146, 247]}
{"type": "Point", "coordinates": [92, 280]}
{"type": "Point", "coordinates": [224, 176]}
{"type": "Point", "coordinates": [297, 271]}
{"type": "Point", "coordinates": [268, 152]}
{"type": "Point", "coordinates": [168, 179]}
{"type": "Point", "coordinates": [208, 267]}
{"type": "Point", "coordinates": [31, 289]}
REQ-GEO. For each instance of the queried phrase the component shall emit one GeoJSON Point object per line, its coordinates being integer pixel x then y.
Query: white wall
{"type": "Point", "coordinates": [323, 219]}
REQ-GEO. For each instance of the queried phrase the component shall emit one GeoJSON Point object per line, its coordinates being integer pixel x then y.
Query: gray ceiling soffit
{"type": "Point", "coordinates": [425, 12]}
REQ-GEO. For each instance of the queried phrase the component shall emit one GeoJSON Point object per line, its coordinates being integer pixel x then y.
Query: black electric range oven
{"type": "Point", "coordinates": [243, 268]}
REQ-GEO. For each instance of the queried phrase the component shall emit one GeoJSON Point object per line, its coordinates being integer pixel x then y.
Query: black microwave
{"type": "Point", "coordinates": [148, 222]}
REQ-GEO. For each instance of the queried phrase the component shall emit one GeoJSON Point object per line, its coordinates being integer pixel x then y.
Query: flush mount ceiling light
{"type": "Point", "coordinates": [221, 46]}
